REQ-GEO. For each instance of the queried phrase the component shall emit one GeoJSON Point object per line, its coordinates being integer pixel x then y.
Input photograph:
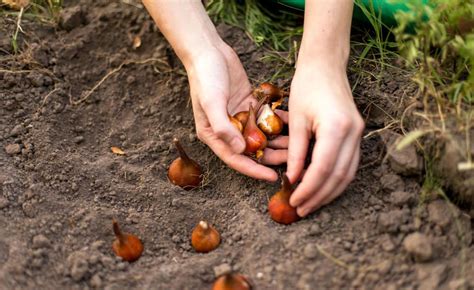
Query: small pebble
{"type": "Point", "coordinates": [310, 251]}
{"type": "Point", "coordinates": [40, 241]}
{"type": "Point", "coordinates": [78, 139]}
{"type": "Point", "coordinates": [12, 149]}
{"type": "Point", "coordinates": [222, 269]}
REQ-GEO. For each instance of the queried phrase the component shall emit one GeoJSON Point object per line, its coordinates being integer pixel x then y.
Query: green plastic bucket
{"type": "Point", "coordinates": [385, 8]}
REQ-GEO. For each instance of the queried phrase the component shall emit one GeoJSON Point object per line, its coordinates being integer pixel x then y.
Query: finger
{"type": "Point", "coordinates": [274, 157]}
{"type": "Point", "coordinates": [244, 105]}
{"type": "Point", "coordinates": [297, 147]}
{"type": "Point", "coordinates": [325, 154]}
{"type": "Point", "coordinates": [280, 142]}
{"type": "Point", "coordinates": [343, 186]}
{"type": "Point", "coordinates": [283, 115]}
{"type": "Point", "coordinates": [340, 175]}
{"type": "Point", "coordinates": [216, 113]}
{"type": "Point", "coordinates": [241, 163]}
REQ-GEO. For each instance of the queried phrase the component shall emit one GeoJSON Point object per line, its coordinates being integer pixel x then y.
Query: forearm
{"type": "Point", "coordinates": [186, 26]}
{"type": "Point", "coordinates": [326, 32]}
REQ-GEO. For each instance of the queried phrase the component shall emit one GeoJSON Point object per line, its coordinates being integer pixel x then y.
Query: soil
{"type": "Point", "coordinates": [60, 184]}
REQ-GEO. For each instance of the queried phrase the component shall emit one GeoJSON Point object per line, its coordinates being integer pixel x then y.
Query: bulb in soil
{"type": "Point", "coordinates": [205, 238]}
{"type": "Point", "coordinates": [127, 246]}
{"type": "Point", "coordinates": [231, 281]}
{"type": "Point", "coordinates": [255, 139]}
{"type": "Point", "coordinates": [279, 206]}
{"type": "Point", "coordinates": [184, 171]}
{"type": "Point", "coordinates": [269, 122]}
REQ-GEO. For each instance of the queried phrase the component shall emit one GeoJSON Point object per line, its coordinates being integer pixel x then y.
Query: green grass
{"type": "Point", "coordinates": [46, 11]}
{"type": "Point", "coordinates": [261, 25]}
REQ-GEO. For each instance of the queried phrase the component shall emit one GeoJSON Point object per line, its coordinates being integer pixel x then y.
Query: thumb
{"type": "Point", "coordinates": [216, 113]}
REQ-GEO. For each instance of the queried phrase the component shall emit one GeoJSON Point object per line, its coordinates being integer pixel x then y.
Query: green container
{"type": "Point", "coordinates": [385, 8]}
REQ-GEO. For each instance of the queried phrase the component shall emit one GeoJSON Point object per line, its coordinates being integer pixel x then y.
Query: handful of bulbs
{"type": "Point", "coordinates": [256, 127]}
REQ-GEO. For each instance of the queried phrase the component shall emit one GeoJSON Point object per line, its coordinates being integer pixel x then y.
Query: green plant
{"type": "Point", "coordinates": [261, 25]}
{"type": "Point", "coordinates": [43, 10]}
{"type": "Point", "coordinates": [440, 50]}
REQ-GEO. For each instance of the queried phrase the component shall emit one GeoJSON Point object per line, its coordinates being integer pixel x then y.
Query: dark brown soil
{"type": "Point", "coordinates": [60, 184]}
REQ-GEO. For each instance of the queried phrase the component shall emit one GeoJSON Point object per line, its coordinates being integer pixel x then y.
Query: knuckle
{"type": "Point", "coordinates": [344, 124]}
{"type": "Point", "coordinates": [359, 126]}
{"type": "Point", "coordinates": [340, 175]}
{"type": "Point", "coordinates": [349, 178]}
{"type": "Point", "coordinates": [324, 171]}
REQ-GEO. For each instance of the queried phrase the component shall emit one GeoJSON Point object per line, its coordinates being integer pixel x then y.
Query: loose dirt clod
{"type": "Point", "coordinates": [418, 246]}
{"type": "Point", "coordinates": [12, 149]}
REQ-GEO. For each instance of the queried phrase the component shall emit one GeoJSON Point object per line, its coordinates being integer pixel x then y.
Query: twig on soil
{"type": "Point", "coordinates": [100, 82]}
{"type": "Point", "coordinates": [371, 133]}
{"type": "Point", "coordinates": [46, 98]}
{"type": "Point", "coordinates": [332, 258]}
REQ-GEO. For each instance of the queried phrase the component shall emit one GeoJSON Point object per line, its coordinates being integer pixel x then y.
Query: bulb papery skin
{"type": "Point", "coordinates": [269, 122]}
{"type": "Point", "coordinates": [268, 91]}
{"type": "Point", "coordinates": [254, 138]}
{"type": "Point", "coordinates": [236, 123]}
{"type": "Point", "coordinates": [254, 142]}
{"type": "Point", "coordinates": [243, 117]}
{"type": "Point", "coordinates": [205, 238]}
{"type": "Point", "coordinates": [127, 246]}
{"type": "Point", "coordinates": [279, 206]}
{"type": "Point", "coordinates": [231, 281]}
{"type": "Point", "coordinates": [186, 174]}
{"type": "Point", "coordinates": [184, 171]}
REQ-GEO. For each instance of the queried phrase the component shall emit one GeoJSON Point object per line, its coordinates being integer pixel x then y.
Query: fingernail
{"type": "Point", "coordinates": [294, 202]}
{"type": "Point", "coordinates": [302, 212]}
{"type": "Point", "coordinates": [237, 145]}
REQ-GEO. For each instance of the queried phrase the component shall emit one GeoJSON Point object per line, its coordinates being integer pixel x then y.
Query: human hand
{"type": "Point", "coordinates": [220, 86]}
{"type": "Point", "coordinates": [321, 105]}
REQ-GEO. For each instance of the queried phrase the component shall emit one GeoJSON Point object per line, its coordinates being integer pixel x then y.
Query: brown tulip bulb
{"type": "Point", "coordinates": [279, 206]}
{"type": "Point", "coordinates": [269, 122]}
{"type": "Point", "coordinates": [205, 238]}
{"type": "Point", "coordinates": [127, 246]}
{"type": "Point", "coordinates": [236, 123]}
{"type": "Point", "coordinates": [255, 139]}
{"type": "Point", "coordinates": [268, 91]}
{"type": "Point", "coordinates": [231, 281]}
{"type": "Point", "coordinates": [242, 117]}
{"type": "Point", "coordinates": [184, 171]}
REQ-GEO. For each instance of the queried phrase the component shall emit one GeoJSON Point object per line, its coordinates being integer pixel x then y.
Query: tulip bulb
{"type": "Point", "coordinates": [236, 123]}
{"type": "Point", "coordinates": [269, 122]}
{"type": "Point", "coordinates": [242, 117]}
{"type": "Point", "coordinates": [127, 246]}
{"type": "Point", "coordinates": [268, 91]}
{"type": "Point", "coordinates": [184, 171]}
{"type": "Point", "coordinates": [205, 238]}
{"type": "Point", "coordinates": [279, 206]}
{"type": "Point", "coordinates": [254, 138]}
{"type": "Point", "coordinates": [231, 281]}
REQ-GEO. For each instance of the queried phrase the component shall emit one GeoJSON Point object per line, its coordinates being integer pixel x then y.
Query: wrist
{"type": "Point", "coordinates": [324, 57]}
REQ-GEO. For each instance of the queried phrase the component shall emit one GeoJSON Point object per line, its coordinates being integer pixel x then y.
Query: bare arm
{"type": "Point", "coordinates": [219, 84]}
{"type": "Point", "coordinates": [321, 106]}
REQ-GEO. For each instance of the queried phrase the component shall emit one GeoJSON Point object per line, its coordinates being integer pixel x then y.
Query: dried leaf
{"type": "Point", "coordinates": [16, 4]}
{"type": "Point", "coordinates": [410, 138]}
{"type": "Point", "coordinates": [117, 150]}
{"type": "Point", "coordinates": [137, 42]}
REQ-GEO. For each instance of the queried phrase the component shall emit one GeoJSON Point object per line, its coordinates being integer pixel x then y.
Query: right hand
{"type": "Point", "coordinates": [220, 86]}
